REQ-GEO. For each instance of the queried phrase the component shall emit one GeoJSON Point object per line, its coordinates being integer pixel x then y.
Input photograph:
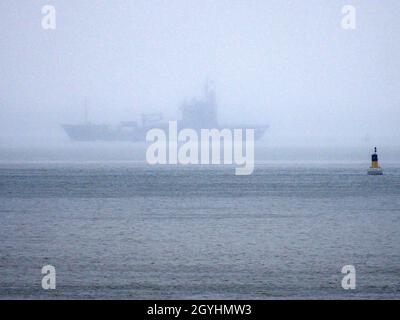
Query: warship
{"type": "Point", "coordinates": [197, 114]}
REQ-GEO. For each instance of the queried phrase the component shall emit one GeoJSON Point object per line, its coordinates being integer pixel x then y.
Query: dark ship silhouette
{"type": "Point", "coordinates": [196, 114]}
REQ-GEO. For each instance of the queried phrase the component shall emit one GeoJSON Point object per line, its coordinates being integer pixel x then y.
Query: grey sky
{"type": "Point", "coordinates": [285, 63]}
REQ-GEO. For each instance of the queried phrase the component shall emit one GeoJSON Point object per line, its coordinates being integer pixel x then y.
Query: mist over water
{"type": "Point", "coordinates": [113, 153]}
{"type": "Point", "coordinates": [288, 64]}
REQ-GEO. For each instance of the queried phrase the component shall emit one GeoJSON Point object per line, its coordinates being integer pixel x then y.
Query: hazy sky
{"type": "Point", "coordinates": [288, 64]}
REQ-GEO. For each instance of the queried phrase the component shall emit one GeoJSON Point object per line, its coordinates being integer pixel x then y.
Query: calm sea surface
{"type": "Point", "coordinates": [132, 231]}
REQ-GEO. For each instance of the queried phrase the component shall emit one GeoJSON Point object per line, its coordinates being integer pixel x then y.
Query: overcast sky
{"type": "Point", "coordinates": [285, 63]}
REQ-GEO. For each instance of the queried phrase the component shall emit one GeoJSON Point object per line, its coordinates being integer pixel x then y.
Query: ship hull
{"type": "Point", "coordinates": [91, 132]}
{"type": "Point", "coordinates": [101, 133]}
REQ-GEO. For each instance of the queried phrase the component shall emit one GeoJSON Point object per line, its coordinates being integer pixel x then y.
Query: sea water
{"type": "Point", "coordinates": [127, 230]}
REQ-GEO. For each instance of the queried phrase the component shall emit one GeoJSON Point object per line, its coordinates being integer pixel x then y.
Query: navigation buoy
{"type": "Point", "coordinates": [375, 169]}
